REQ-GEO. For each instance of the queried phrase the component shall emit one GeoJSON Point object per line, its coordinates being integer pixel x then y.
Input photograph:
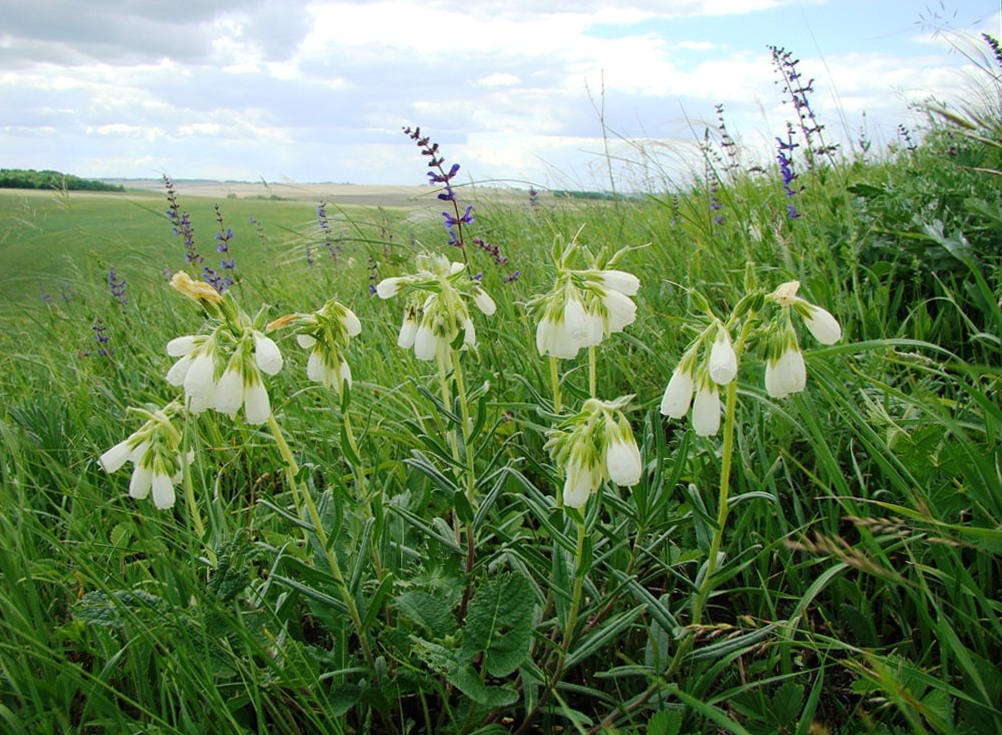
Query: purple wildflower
{"type": "Point", "coordinates": [181, 223]}
{"type": "Point", "coordinates": [785, 160]}
{"type": "Point", "coordinates": [798, 93]}
{"type": "Point", "coordinates": [221, 282]}
{"type": "Point", "coordinates": [117, 287]}
{"type": "Point", "coordinates": [101, 337]}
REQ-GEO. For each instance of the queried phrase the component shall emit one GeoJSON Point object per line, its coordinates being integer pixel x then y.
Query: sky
{"type": "Point", "coordinates": [547, 93]}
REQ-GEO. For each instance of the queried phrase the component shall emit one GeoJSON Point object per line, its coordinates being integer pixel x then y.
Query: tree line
{"type": "Point", "coordinates": [19, 178]}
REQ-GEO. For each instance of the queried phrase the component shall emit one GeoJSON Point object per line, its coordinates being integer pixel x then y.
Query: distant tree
{"type": "Point", "coordinates": [20, 178]}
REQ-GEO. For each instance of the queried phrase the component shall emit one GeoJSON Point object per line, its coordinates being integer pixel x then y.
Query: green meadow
{"type": "Point", "coordinates": [403, 552]}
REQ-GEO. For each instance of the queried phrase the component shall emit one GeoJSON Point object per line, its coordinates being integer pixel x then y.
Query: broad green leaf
{"type": "Point", "coordinates": [499, 623]}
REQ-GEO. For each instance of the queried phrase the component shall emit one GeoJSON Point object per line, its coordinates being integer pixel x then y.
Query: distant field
{"type": "Point", "coordinates": [49, 240]}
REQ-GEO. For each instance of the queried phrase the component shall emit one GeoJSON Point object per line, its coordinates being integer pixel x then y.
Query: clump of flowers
{"type": "Point", "coordinates": [436, 313]}
{"type": "Point", "coordinates": [594, 445]}
{"type": "Point", "coordinates": [785, 372]}
{"type": "Point", "coordinates": [154, 451]}
{"type": "Point", "coordinates": [223, 369]}
{"type": "Point", "coordinates": [585, 305]}
{"type": "Point", "coordinates": [326, 334]}
{"type": "Point", "coordinates": [711, 361]}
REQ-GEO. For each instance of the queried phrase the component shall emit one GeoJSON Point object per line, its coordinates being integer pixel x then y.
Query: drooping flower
{"type": "Point", "coordinates": [595, 445]}
{"type": "Point", "coordinates": [154, 451]}
{"type": "Point", "coordinates": [326, 333]}
{"type": "Point", "coordinates": [706, 410]}
{"type": "Point", "coordinates": [786, 374]}
{"type": "Point", "coordinates": [678, 394]}
{"type": "Point", "coordinates": [723, 362]}
{"type": "Point", "coordinates": [583, 308]}
{"type": "Point", "coordinates": [822, 325]}
{"type": "Point", "coordinates": [437, 312]}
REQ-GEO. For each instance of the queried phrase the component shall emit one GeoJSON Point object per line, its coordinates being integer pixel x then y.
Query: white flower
{"type": "Point", "coordinates": [554, 339]}
{"type": "Point", "coordinates": [596, 329]}
{"type": "Point", "coordinates": [230, 390]}
{"type": "Point", "coordinates": [622, 461]}
{"type": "Point", "coordinates": [257, 407]}
{"type": "Point", "coordinates": [678, 394]}
{"type": "Point", "coordinates": [175, 376]}
{"type": "Point", "coordinates": [622, 310]}
{"type": "Point", "coordinates": [706, 411]}
{"type": "Point", "coordinates": [183, 345]}
{"type": "Point", "coordinates": [408, 331]}
{"type": "Point", "coordinates": [576, 321]}
{"type": "Point", "coordinates": [425, 343]}
{"type": "Point", "coordinates": [388, 287]}
{"type": "Point", "coordinates": [581, 480]}
{"type": "Point", "coordinates": [199, 382]}
{"type": "Point", "coordinates": [621, 281]}
{"type": "Point", "coordinates": [267, 354]}
{"type": "Point", "coordinates": [306, 341]}
{"type": "Point", "coordinates": [484, 301]}
{"type": "Point", "coordinates": [469, 334]}
{"type": "Point", "coordinates": [118, 455]}
{"type": "Point", "coordinates": [163, 490]}
{"type": "Point", "coordinates": [823, 326]}
{"type": "Point", "coordinates": [786, 375]}
{"type": "Point", "coordinates": [351, 323]}
{"type": "Point", "coordinates": [141, 482]}
{"type": "Point", "coordinates": [723, 362]}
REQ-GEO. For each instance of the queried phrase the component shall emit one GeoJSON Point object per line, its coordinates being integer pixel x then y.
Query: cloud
{"type": "Point", "coordinates": [319, 89]}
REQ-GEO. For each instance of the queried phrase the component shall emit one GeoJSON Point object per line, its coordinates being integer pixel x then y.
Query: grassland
{"type": "Point", "coordinates": [856, 588]}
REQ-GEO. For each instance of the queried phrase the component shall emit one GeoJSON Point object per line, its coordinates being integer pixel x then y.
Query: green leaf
{"type": "Point", "coordinates": [431, 612]}
{"type": "Point", "coordinates": [665, 722]}
{"type": "Point", "coordinates": [499, 623]}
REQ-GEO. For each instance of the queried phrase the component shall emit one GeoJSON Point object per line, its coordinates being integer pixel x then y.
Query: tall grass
{"type": "Point", "coordinates": [856, 588]}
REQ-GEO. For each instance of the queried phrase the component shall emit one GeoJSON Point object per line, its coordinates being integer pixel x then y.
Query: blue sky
{"type": "Point", "coordinates": [514, 90]}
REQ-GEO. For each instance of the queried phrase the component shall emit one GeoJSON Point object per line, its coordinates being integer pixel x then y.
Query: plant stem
{"type": "Point", "coordinates": [723, 500]}
{"type": "Point", "coordinates": [292, 469]}
{"type": "Point", "coordinates": [592, 372]}
{"type": "Point", "coordinates": [555, 380]}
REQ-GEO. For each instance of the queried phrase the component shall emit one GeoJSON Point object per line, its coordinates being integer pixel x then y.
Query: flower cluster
{"type": "Point", "coordinates": [326, 334]}
{"type": "Point", "coordinates": [583, 308]}
{"type": "Point", "coordinates": [221, 280]}
{"type": "Point", "coordinates": [101, 337]}
{"type": "Point", "coordinates": [785, 371]}
{"type": "Point", "coordinates": [799, 94]}
{"type": "Point", "coordinates": [222, 370]}
{"type": "Point", "coordinates": [595, 445]}
{"type": "Point", "coordinates": [154, 450]}
{"type": "Point", "coordinates": [718, 368]}
{"type": "Point", "coordinates": [436, 313]}
{"type": "Point", "coordinates": [454, 221]}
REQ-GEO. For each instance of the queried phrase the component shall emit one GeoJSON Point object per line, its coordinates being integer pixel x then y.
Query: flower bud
{"type": "Point", "coordinates": [723, 365]}
{"type": "Point", "coordinates": [823, 326]}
